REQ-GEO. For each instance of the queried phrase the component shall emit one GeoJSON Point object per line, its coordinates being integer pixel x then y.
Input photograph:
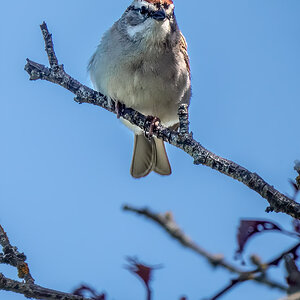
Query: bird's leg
{"type": "Point", "coordinates": [119, 107]}
{"type": "Point", "coordinates": [153, 124]}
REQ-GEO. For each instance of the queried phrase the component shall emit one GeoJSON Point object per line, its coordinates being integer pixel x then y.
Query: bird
{"type": "Point", "coordinates": [142, 62]}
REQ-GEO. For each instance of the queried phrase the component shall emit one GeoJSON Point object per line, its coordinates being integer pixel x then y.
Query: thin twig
{"type": "Point", "coordinates": [262, 268]}
{"type": "Point", "coordinates": [149, 293]}
{"type": "Point", "coordinates": [167, 222]}
{"type": "Point", "coordinates": [277, 201]}
{"type": "Point", "coordinates": [275, 261]}
{"type": "Point", "coordinates": [53, 61]}
{"type": "Point", "coordinates": [229, 287]}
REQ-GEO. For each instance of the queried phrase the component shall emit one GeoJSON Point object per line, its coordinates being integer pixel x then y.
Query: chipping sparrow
{"type": "Point", "coordinates": [142, 61]}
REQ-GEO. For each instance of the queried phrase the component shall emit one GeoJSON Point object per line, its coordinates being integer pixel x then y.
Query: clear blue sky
{"type": "Point", "coordinates": [65, 167]}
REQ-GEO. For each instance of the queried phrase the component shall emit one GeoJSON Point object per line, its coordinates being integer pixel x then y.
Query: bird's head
{"type": "Point", "coordinates": [149, 19]}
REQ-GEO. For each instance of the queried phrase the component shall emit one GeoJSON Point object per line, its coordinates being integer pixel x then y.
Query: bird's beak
{"type": "Point", "coordinates": [159, 15]}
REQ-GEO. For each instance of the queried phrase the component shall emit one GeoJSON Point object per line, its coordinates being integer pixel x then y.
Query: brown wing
{"type": "Point", "coordinates": [183, 50]}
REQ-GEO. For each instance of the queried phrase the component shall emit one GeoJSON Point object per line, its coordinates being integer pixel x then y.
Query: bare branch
{"type": "Point", "coordinates": [35, 291]}
{"type": "Point", "coordinates": [49, 46]}
{"type": "Point", "coordinates": [56, 74]}
{"type": "Point", "coordinates": [13, 257]}
{"type": "Point", "coordinates": [184, 124]}
{"type": "Point", "coordinates": [167, 222]}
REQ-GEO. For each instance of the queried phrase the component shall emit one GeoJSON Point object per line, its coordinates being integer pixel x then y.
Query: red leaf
{"type": "Point", "coordinates": [142, 271]}
{"type": "Point", "coordinates": [248, 228]}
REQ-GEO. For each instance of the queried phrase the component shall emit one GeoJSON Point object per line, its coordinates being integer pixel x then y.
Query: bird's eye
{"type": "Point", "coordinates": [143, 10]}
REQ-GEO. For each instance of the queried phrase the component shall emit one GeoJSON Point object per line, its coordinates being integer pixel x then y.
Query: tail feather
{"type": "Point", "coordinates": [149, 155]}
{"type": "Point", "coordinates": [143, 157]}
{"type": "Point", "coordinates": [162, 165]}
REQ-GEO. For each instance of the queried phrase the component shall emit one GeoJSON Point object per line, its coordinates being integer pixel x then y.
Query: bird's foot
{"type": "Point", "coordinates": [153, 123]}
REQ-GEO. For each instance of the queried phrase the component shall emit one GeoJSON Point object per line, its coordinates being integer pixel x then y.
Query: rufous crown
{"type": "Point", "coordinates": [168, 2]}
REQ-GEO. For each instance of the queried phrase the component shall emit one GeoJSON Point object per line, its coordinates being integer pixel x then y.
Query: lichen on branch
{"type": "Point", "coordinates": [278, 202]}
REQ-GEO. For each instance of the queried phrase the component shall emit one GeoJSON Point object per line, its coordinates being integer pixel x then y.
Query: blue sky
{"type": "Point", "coordinates": [65, 167]}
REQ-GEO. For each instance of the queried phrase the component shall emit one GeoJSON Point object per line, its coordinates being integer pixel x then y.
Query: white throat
{"type": "Point", "coordinates": [150, 30]}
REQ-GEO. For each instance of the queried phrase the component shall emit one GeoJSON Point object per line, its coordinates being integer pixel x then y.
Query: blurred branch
{"type": "Point", "coordinates": [293, 278]}
{"type": "Point", "coordinates": [56, 74]}
{"type": "Point", "coordinates": [295, 296]}
{"type": "Point", "coordinates": [293, 272]}
{"type": "Point", "coordinates": [231, 285]}
{"type": "Point", "coordinates": [166, 221]}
